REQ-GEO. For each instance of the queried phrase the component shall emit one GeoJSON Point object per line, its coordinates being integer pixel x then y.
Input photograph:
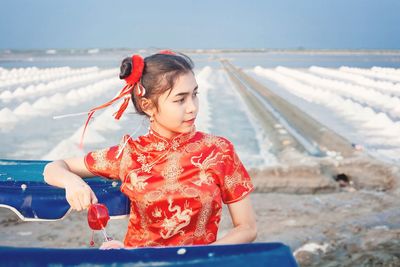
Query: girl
{"type": "Point", "coordinates": [176, 177]}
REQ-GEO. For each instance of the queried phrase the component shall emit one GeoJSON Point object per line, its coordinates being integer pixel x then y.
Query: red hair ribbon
{"type": "Point", "coordinates": [139, 90]}
{"type": "Point", "coordinates": [132, 80]}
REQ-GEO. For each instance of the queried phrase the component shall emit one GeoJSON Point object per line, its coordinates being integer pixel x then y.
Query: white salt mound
{"type": "Point", "coordinates": [7, 116]}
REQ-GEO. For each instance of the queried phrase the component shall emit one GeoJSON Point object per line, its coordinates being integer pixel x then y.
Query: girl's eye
{"type": "Point", "coordinates": [180, 100]}
{"type": "Point", "coordinates": [183, 99]}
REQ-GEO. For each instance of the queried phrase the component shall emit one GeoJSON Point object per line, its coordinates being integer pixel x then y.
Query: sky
{"type": "Point", "coordinates": [205, 24]}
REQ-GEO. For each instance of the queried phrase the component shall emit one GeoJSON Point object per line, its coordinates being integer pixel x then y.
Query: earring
{"type": "Point", "coordinates": [151, 118]}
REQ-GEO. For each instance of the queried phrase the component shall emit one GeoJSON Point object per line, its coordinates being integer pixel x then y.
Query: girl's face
{"type": "Point", "coordinates": [177, 108]}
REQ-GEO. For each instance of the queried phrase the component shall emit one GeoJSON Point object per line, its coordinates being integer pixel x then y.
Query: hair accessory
{"type": "Point", "coordinates": [140, 90]}
{"type": "Point", "coordinates": [137, 70]}
{"type": "Point", "coordinates": [131, 81]}
{"type": "Point", "coordinates": [167, 52]}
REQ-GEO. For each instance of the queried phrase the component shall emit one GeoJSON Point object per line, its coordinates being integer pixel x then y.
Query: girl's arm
{"type": "Point", "coordinates": [68, 174]}
{"type": "Point", "coordinates": [244, 231]}
{"type": "Point", "coordinates": [244, 222]}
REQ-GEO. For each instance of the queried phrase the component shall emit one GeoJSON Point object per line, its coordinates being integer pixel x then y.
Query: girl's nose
{"type": "Point", "coordinates": [192, 105]}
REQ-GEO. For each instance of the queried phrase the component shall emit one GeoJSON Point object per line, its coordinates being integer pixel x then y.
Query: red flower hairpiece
{"type": "Point", "coordinates": [137, 70]}
{"type": "Point", "coordinates": [131, 81]}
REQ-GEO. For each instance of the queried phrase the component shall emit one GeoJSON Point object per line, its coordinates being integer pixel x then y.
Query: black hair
{"type": "Point", "coordinates": [159, 75]}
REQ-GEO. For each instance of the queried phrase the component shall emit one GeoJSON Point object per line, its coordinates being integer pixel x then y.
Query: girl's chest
{"type": "Point", "coordinates": [179, 175]}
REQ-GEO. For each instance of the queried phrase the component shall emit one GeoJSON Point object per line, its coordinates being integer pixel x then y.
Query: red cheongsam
{"type": "Point", "coordinates": [176, 186]}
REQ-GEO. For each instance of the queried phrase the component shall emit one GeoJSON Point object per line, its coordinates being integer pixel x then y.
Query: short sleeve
{"type": "Point", "coordinates": [104, 162]}
{"type": "Point", "coordinates": [235, 181]}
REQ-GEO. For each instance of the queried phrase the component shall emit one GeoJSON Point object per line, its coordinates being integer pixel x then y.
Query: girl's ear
{"type": "Point", "coordinates": [147, 106]}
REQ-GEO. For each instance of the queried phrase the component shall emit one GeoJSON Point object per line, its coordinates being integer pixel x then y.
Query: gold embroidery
{"type": "Point", "coordinates": [153, 196]}
{"type": "Point", "coordinates": [144, 221]}
{"type": "Point", "coordinates": [204, 176]}
{"type": "Point", "coordinates": [204, 215]}
{"type": "Point", "coordinates": [137, 182]}
{"type": "Point", "coordinates": [146, 167]}
{"type": "Point", "coordinates": [132, 216]}
{"type": "Point", "coordinates": [141, 158]}
{"type": "Point", "coordinates": [160, 146]}
{"type": "Point", "coordinates": [152, 223]}
{"type": "Point", "coordinates": [231, 181]}
{"type": "Point", "coordinates": [101, 162]}
{"type": "Point", "coordinates": [175, 144]}
{"type": "Point", "coordinates": [190, 192]}
{"type": "Point", "coordinates": [176, 222]}
{"type": "Point", "coordinates": [156, 213]}
{"type": "Point", "coordinates": [182, 138]}
{"type": "Point", "coordinates": [172, 171]}
{"type": "Point", "coordinates": [210, 140]}
{"type": "Point", "coordinates": [192, 147]}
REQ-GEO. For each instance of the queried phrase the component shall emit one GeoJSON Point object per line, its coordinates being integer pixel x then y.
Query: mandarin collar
{"type": "Point", "coordinates": [174, 142]}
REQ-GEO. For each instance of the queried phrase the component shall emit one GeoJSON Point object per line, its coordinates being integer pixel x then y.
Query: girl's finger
{"type": "Point", "coordinates": [113, 244]}
{"type": "Point", "coordinates": [93, 197]}
{"type": "Point", "coordinates": [80, 201]}
{"type": "Point", "coordinates": [86, 199]}
{"type": "Point", "coordinates": [72, 203]}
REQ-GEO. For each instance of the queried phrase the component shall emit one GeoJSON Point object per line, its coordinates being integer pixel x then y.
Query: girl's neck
{"type": "Point", "coordinates": [166, 134]}
{"type": "Point", "coordinates": [163, 132]}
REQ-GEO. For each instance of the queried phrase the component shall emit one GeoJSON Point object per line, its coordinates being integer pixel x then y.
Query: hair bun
{"type": "Point", "coordinates": [126, 68]}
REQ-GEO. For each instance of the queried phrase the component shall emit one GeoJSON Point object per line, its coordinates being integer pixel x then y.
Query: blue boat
{"type": "Point", "coordinates": [255, 254]}
{"type": "Point", "coordinates": [23, 190]}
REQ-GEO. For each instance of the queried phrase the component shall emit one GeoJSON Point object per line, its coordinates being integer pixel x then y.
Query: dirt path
{"type": "Point", "coordinates": [314, 132]}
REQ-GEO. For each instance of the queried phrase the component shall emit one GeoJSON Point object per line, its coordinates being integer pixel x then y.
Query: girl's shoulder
{"type": "Point", "coordinates": [200, 139]}
{"type": "Point", "coordinates": [215, 141]}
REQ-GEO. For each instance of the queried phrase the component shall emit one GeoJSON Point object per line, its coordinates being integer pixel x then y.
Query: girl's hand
{"type": "Point", "coordinates": [79, 194]}
{"type": "Point", "coordinates": [113, 244]}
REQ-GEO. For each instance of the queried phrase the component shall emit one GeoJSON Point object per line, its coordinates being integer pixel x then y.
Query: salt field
{"type": "Point", "coordinates": [56, 91]}
{"type": "Point", "coordinates": [359, 103]}
{"type": "Point", "coordinates": [363, 109]}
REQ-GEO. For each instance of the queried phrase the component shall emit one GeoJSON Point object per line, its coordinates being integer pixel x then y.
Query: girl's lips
{"type": "Point", "coordinates": [190, 121]}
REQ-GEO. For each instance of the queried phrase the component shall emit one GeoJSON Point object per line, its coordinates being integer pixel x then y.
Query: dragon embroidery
{"type": "Point", "coordinates": [137, 182]}
{"type": "Point", "coordinates": [179, 220]}
{"type": "Point", "coordinates": [204, 176]}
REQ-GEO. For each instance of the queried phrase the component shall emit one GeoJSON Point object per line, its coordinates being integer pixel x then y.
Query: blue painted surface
{"type": "Point", "coordinates": [41, 201]}
{"type": "Point", "coordinates": [255, 254]}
